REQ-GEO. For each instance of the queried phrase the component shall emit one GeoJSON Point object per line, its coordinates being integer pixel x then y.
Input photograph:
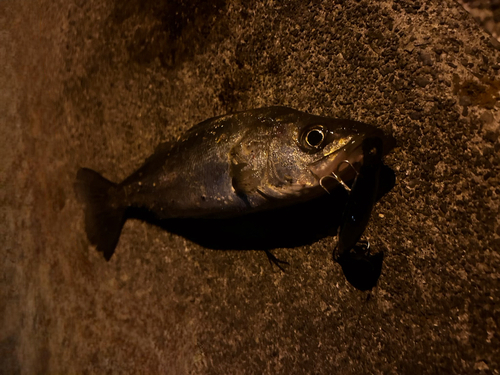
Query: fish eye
{"type": "Point", "coordinates": [315, 137]}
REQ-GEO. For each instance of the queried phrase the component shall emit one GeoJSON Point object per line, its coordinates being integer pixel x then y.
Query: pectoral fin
{"type": "Point", "coordinates": [247, 165]}
{"type": "Point", "coordinates": [245, 180]}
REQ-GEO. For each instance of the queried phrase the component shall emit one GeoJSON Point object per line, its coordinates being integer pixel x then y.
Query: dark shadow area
{"type": "Point", "coordinates": [293, 226]}
{"type": "Point", "coordinates": [361, 269]}
{"type": "Point", "coordinates": [170, 31]}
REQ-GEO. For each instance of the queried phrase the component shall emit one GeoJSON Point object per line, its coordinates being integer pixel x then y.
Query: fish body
{"type": "Point", "coordinates": [225, 167]}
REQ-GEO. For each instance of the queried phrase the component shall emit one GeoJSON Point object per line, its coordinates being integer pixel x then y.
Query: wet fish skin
{"type": "Point", "coordinates": [224, 167]}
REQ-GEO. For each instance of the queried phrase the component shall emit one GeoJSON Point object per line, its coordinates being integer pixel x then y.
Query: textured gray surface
{"type": "Point", "coordinates": [100, 83]}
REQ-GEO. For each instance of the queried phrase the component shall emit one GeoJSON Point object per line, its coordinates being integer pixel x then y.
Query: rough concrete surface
{"type": "Point", "coordinates": [100, 83]}
{"type": "Point", "coordinates": [486, 12]}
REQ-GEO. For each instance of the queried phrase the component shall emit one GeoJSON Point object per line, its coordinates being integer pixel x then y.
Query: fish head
{"type": "Point", "coordinates": [336, 146]}
{"type": "Point", "coordinates": [288, 153]}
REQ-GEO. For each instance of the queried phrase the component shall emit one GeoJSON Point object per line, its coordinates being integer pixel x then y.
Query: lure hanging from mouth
{"type": "Point", "coordinates": [361, 268]}
{"type": "Point", "coordinates": [227, 166]}
{"type": "Point", "coordinates": [362, 196]}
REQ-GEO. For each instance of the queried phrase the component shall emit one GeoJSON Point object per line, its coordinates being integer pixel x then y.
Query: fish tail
{"type": "Point", "coordinates": [103, 220]}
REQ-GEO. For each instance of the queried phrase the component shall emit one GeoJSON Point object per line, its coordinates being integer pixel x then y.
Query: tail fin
{"type": "Point", "coordinates": [103, 222]}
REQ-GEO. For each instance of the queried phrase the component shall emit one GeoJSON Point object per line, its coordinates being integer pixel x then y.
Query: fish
{"type": "Point", "coordinates": [224, 167]}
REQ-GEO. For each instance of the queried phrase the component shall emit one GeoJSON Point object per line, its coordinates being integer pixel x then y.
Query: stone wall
{"type": "Point", "coordinates": [100, 83]}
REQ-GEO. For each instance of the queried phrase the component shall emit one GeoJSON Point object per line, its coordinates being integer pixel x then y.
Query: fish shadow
{"type": "Point", "coordinates": [289, 227]}
{"type": "Point", "coordinates": [362, 270]}
{"type": "Point", "coordinates": [293, 226]}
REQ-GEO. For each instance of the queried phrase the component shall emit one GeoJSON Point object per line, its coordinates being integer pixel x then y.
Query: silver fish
{"type": "Point", "coordinates": [225, 167]}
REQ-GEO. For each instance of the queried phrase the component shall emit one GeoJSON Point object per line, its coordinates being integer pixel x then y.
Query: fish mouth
{"type": "Point", "coordinates": [343, 163]}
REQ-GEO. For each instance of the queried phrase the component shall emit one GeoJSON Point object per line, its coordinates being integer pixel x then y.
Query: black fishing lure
{"type": "Point", "coordinates": [361, 268]}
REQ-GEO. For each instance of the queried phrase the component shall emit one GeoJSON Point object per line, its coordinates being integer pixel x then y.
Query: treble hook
{"type": "Point", "coordinates": [321, 182]}
{"type": "Point", "coordinates": [349, 163]}
{"type": "Point", "coordinates": [361, 248]}
{"type": "Point", "coordinates": [337, 178]}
